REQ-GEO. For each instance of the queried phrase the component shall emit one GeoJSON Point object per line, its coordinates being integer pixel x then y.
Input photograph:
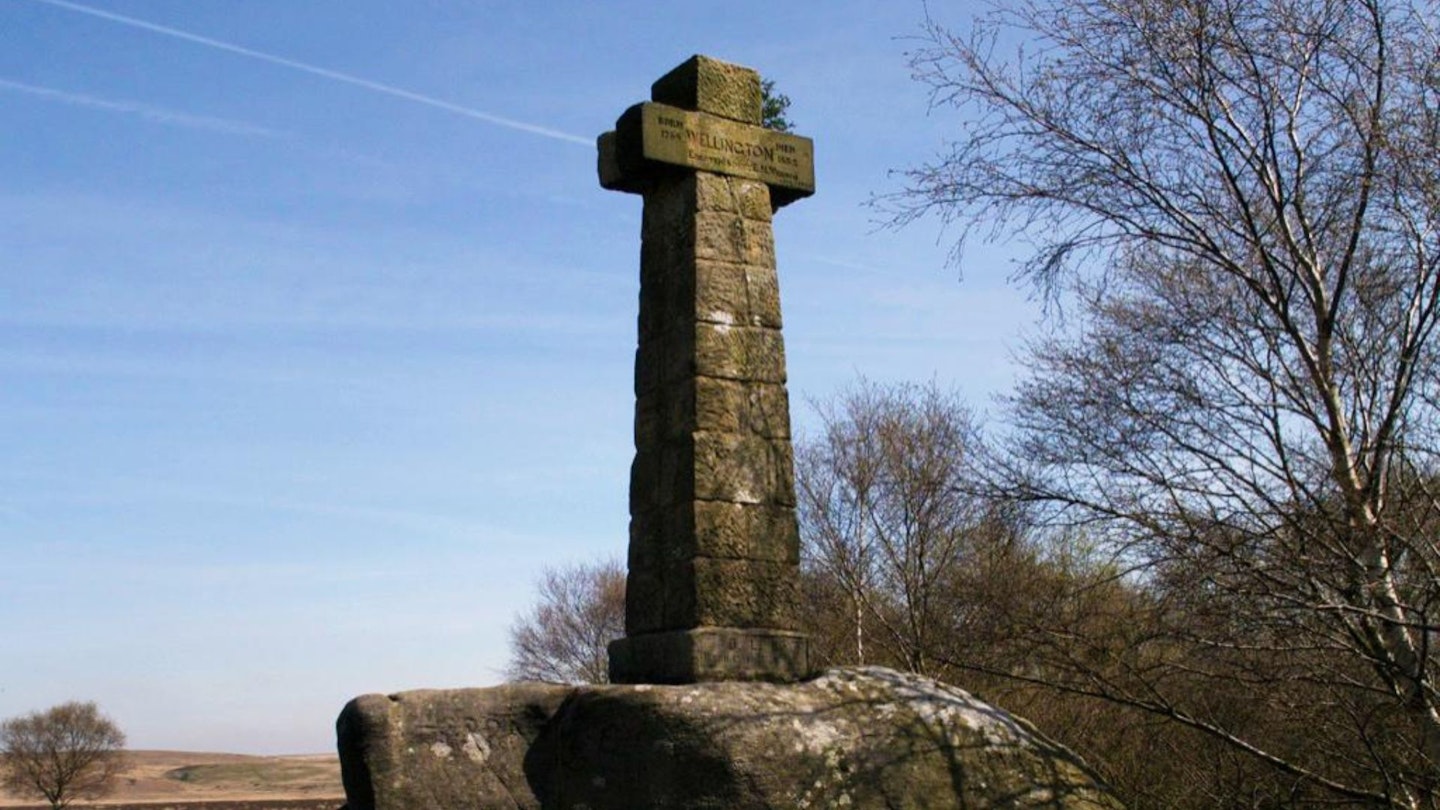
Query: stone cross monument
{"type": "Point", "coordinates": [714, 583]}
{"type": "Point", "coordinates": [713, 589]}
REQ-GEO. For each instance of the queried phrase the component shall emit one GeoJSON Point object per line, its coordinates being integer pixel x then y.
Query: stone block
{"type": "Point", "coordinates": [708, 592]}
{"type": "Point", "coordinates": [742, 593]}
{"type": "Point", "coordinates": [664, 247]}
{"type": "Point", "coordinates": [711, 86]}
{"type": "Point", "coordinates": [722, 293]}
{"type": "Point", "coordinates": [668, 413]}
{"type": "Point", "coordinates": [743, 479]}
{"type": "Point", "coordinates": [669, 207]}
{"type": "Point", "coordinates": [784, 460]}
{"type": "Point", "coordinates": [762, 285]}
{"type": "Point", "coordinates": [677, 471]}
{"type": "Point", "coordinates": [752, 199]}
{"type": "Point", "coordinates": [737, 468]}
{"type": "Point", "coordinates": [665, 273]}
{"type": "Point", "coordinates": [719, 193]}
{"type": "Point", "coordinates": [667, 293]}
{"type": "Point", "coordinates": [644, 600]}
{"type": "Point", "coordinates": [674, 407]}
{"type": "Point", "coordinates": [736, 294]}
{"type": "Point", "coordinates": [650, 365]}
{"type": "Point", "coordinates": [662, 538]}
{"type": "Point", "coordinates": [667, 358]}
{"type": "Point", "coordinates": [716, 467]}
{"type": "Point", "coordinates": [710, 654]}
{"type": "Point", "coordinates": [678, 363]}
{"type": "Point", "coordinates": [727, 237]}
{"type": "Point", "coordinates": [732, 406]}
{"type": "Point", "coordinates": [647, 549]}
{"type": "Point", "coordinates": [607, 165]}
{"type": "Point", "coordinates": [715, 192]}
{"type": "Point", "coordinates": [651, 418]}
{"type": "Point", "coordinates": [764, 532]}
{"type": "Point", "coordinates": [720, 405]}
{"type": "Point", "coordinates": [747, 353]}
{"type": "Point", "coordinates": [645, 480]}
{"type": "Point", "coordinates": [768, 411]}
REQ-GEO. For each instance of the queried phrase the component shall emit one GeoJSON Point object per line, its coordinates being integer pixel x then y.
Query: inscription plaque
{"type": "Point", "coordinates": [652, 133]}
{"type": "Point", "coordinates": [699, 141]}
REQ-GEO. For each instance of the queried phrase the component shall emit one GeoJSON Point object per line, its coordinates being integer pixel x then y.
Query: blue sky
{"type": "Point", "coordinates": [316, 329]}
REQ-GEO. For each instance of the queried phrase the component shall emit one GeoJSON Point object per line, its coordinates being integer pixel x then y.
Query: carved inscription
{"type": "Point", "coordinates": [699, 141]}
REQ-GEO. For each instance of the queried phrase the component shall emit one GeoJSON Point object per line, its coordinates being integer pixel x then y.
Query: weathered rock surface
{"type": "Point", "coordinates": [852, 738]}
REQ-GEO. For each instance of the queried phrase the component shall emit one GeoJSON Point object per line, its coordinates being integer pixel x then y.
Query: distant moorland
{"type": "Point", "coordinates": [186, 780]}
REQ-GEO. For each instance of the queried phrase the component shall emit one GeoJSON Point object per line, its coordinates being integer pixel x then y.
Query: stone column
{"type": "Point", "coordinates": [713, 589]}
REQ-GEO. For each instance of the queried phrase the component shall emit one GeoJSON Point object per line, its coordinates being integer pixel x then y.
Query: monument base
{"type": "Point", "coordinates": [711, 654]}
{"type": "Point", "coordinates": [863, 739]}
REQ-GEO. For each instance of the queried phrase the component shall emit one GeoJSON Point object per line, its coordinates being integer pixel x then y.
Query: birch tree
{"type": "Point", "coordinates": [1237, 202]}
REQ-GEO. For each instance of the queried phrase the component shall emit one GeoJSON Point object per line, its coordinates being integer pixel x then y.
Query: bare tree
{"type": "Point", "coordinates": [836, 480]}
{"type": "Point", "coordinates": [1240, 200]}
{"type": "Point", "coordinates": [885, 520]}
{"type": "Point", "coordinates": [68, 752]}
{"type": "Point", "coordinates": [579, 611]}
{"type": "Point", "coordinates": [907, 563]}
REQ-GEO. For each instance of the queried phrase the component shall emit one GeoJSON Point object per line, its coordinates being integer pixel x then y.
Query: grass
{"type": "Point", "coordinates": [254, 774]}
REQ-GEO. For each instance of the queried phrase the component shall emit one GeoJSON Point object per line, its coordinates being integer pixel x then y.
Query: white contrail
{"type": "Point", "coordinates": [333, 75]}
{"type": "Point", "coordinates": [159, 115]}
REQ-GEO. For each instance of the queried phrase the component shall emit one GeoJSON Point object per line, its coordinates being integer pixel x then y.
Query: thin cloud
{"type": "Point", "coordinates": [158, 115]}
{"type": "Point", "coordinates": [325, 73]}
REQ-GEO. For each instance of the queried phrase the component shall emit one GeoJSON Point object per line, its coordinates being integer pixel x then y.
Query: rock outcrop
{"type": "Point", "coordinates": [851, 738]}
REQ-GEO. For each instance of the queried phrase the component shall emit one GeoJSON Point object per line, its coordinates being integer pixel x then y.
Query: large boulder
{"type": "Point", "coordinates": [851, 738]}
